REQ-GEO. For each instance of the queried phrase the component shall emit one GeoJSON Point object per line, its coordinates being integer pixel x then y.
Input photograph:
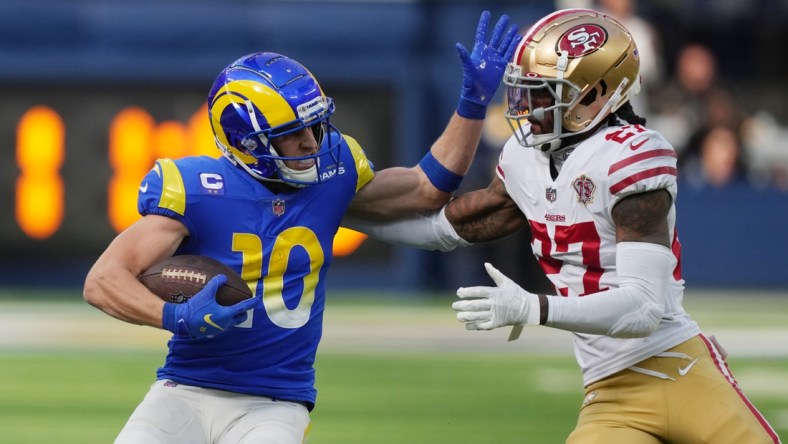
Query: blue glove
{"type": "Point", "coordinates": [201, 316]}
{"type": "Point", "coordinates": [483, 68]}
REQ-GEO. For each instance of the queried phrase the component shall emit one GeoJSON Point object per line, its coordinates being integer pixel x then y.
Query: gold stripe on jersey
{"type": "Point", "coordinates": [363, 167]}
{"type": "Point", "coordinates": [173, 193]}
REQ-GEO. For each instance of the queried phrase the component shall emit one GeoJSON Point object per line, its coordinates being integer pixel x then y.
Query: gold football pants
{"type": "Point", "coordinates": [685, 395]}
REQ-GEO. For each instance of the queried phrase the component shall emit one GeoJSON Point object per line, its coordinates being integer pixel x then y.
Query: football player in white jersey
{"type": "Point", "coordinates": [596, 188]}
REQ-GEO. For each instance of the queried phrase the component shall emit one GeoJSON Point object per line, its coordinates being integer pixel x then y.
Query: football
{"type": "Point", "coordinates": [178, 278]}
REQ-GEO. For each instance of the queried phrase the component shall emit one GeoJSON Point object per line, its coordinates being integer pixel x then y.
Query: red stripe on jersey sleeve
{"type": "Point", "coordinates": [645, 174]}
{"type": "Point", "coordinates": [639, 157]}
{"type": "Point", "coordinates": [500, 171]}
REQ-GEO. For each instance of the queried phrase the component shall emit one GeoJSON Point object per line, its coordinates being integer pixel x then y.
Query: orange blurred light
{"type": "Point", "coordinates": [200, 134]}
{"type": "Point", "coordinates": [131, 156]}
{"type": "Point", "coordinates": [347, 241]}
{"type": "Point", "coordinates": [170, 140]}
{"type": "Point", "coordinates": [40, 150]}
{"type": "Point", "coordinates": [130, 135]}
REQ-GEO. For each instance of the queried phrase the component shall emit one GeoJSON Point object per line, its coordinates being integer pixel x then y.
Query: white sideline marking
{"type": "Point", "coordinates": [46, 325]}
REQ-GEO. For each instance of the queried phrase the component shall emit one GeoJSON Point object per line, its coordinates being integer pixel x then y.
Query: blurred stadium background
{"type": "Point", "coordinates": [91, 91]}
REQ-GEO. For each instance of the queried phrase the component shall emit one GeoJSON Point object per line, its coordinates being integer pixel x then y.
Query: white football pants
{"type": "Point", "coordinates": [181, 414]}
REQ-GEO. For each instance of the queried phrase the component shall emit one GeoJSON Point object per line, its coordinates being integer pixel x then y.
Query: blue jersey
{"type": "Point", "coordinates": [281, 244]}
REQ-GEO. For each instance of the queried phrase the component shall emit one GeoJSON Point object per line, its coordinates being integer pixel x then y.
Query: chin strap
{"type": "Point", "coordinates": [289, 174]}
{"type": "Point", "coordinates": [615, 101]}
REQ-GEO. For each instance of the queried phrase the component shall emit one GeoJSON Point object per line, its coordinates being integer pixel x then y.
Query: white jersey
{"type": "Point", "coordinates": [574, 236]}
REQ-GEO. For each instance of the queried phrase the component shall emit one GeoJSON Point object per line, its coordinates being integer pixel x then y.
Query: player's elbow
{"type": "Point", "coordinates": [93, 290]}
{"type": "Point", "coordinates": [639, 323]}
{"type": "Point", "coordinates": [90, 291]}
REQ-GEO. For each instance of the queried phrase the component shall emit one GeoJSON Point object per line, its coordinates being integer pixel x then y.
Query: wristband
{"type": "Point", "coordinates": [440, 176]}
{"type": "Point", "coordinates": [471, 110]}
{"type": "Point", "coordinates": [169, 317]}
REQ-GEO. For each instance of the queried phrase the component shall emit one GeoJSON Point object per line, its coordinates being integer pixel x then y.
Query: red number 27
{"type": "Point", "coordinates": [583, 233]}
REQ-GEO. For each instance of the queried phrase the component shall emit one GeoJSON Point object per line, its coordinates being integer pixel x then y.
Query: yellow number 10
{"type": "Point", "coordinates": [251, 247]}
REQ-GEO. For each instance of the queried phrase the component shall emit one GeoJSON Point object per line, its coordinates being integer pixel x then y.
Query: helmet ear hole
{"type": "Point", "coordinates": [603, 85]}
{"type": "Point", "coordinates": [600, 89]}
{"type": "Point", "coordinates": [590, 97]}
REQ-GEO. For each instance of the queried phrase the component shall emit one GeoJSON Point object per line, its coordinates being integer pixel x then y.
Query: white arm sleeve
{"type": "Point", "coordinates": [634, 309]}
{"type": "Point", "coordinates": [428, 231]}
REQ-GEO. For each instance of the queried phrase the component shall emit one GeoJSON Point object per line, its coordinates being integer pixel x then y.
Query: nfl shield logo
{"type": "Point", "coordinates": [278, 207]}
{"type": "Point", "coordinates": [551, 194]}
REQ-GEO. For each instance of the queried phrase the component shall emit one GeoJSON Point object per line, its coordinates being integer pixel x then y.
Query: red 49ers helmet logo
{"type": "Point", "coordinates": [582, 40]}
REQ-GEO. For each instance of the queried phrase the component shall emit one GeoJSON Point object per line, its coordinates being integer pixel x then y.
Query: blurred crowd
{"type": "Point", "coordinates": [719, 141]}
{"type": "Point", "coordinates": [693, 102]}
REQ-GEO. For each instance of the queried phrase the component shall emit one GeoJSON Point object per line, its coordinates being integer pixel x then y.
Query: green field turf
{"type": "Point", "coordinates": [364, 398]}
{"type": "Point", "coordinates": [79, 389]}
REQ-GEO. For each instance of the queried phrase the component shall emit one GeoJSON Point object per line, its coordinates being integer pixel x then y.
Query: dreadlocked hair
{"type": "Point", "coordinates": [627, 114]}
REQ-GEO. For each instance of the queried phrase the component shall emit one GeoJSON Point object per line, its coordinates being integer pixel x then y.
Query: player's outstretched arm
{"type": "Point", "coordinates": [478, 216]}
{"type": "Point", "coordinates": [400, 191]}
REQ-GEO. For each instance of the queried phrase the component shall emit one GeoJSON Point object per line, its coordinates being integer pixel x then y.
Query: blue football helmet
{"type": "Point", "coordinates": [265, 95]}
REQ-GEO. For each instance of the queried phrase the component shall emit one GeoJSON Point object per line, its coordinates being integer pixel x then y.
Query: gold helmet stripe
{"type": "Point", "coordinates": [271, 105]}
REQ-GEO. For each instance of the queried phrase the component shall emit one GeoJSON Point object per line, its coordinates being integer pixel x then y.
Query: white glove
{"type": "Point", "coordinates": [487, 308]}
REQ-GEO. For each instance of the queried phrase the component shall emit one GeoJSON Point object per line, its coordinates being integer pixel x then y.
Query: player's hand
{"type": "Point", "coordinates": [485, 308]}
{"type": "Point", "coordinates": [483, 68]}
{"type": "Point", "coordinates": [201, 316]}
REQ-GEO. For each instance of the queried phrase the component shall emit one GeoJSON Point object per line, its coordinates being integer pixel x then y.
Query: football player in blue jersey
{"type": "Point", "coordinates": [269, 208]}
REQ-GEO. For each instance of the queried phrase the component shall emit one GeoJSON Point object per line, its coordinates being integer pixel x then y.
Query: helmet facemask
{"type": "Point", "coordinates": [272, 166]}
{"type": "Point", "coordinates": [532, 97]}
